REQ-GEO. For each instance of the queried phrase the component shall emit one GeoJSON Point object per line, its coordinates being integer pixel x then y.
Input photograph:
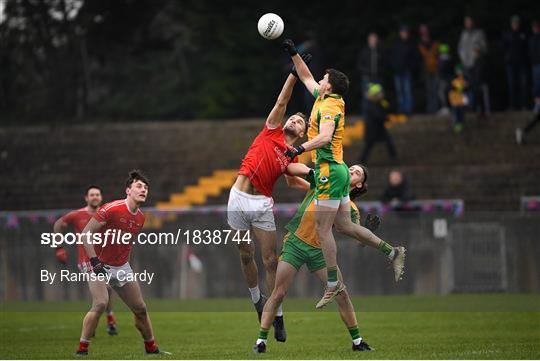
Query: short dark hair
{"type": "Point", "coordinates": [93, 186]}
{"type": "Point", "coordinates": [357, 192]}
{"type": "Point", "coordinates": [136, 175]}
{"type": "Point", "coordinates": [338, 81]}
{"type": "Point", "coordinates": [304, 117]}
{"type": "Point", "coordinates": [366, 172]}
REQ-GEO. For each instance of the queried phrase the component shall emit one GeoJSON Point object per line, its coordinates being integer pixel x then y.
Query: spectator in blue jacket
{"type": "Point", "coordinates": [404, 58]}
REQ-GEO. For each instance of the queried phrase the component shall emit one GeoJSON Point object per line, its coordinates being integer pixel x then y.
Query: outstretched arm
{"type": "Point", "coordinates": [278, 111]}
{"type": "Point", "coordinates": [299, 169]}
{"type": "Point", "coordinates": [297, 183]}
{"type": "Point", "coordinates": [301, 68]}
{"type": "Point", "coordinates": [323, 138]}
{"type": "Point", "coordinates": [329, 118]}
{"type": "Point", "coordinates": [295, 172]}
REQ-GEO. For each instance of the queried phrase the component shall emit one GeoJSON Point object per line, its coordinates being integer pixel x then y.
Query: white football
{"type": "Point", "coordinates": [270, 26]}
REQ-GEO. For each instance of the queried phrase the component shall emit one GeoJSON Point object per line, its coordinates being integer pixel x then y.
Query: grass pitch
{"type": "Point", "coordinates": [398, 327]}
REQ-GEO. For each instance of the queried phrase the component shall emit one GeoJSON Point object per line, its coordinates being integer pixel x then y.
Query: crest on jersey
{"type": "Point", "coordinates": [323, 180]}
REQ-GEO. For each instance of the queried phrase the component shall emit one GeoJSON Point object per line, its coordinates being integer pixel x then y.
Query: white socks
{"type": "Point", "coordinates": [331, 284]}
{"type": "Point", "coordinates": [357, 341]}
{"type": "Point", "coordinates": [279, 311]}
{"type": "Point", "coordinates": [255, 294]}
{"type": "Point", "coordinates": [260, 340]}
{"type": "Point", "coordinates": [392, 254]}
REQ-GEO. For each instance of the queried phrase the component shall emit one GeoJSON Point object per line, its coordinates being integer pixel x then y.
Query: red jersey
{"type": "Point", "coordinates": [78, 220]}
{"type": "Point", "coordinates": [117, 216]}
{"type": "Point", "coordinates": [265, 160]}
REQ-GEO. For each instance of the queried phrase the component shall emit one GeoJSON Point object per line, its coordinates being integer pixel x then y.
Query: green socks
{"type": "Point", "coordinates": [355, 334]}
{"type": "Point", "coordinates": [387, 249]}
{"type": "Point", "coordinates": [332, 274]}
{"type": "Point", "coordinates": [354, 331]}
{"type": "Point", "coordinates": [263, 334]}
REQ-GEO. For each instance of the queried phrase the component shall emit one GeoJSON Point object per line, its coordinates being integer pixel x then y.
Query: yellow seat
{"type": "Point", "coordinates": [222, 179]}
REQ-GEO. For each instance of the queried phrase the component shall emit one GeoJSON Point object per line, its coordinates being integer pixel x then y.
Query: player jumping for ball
{"type": "Point", "coordinates": [301, 246]}
{"type": "Point", "coordinates": [78, 220]}
{"type": "Point", "coordinates": [124, 215]}
{"type": "Point", "coordinates": [250, 200]}
{"type": "Point", "coordinates": [325, 137]}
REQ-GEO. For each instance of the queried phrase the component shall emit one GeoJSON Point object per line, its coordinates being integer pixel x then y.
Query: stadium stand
{"type": "Point", "coordinates": [483, 165]}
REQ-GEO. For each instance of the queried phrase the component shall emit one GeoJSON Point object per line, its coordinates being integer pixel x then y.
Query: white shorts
{"type": "Point", "coordinates": [247, 210]}
{"type": "Point", "coordinates": [332, 203]}
{"type": "Point", "coordinates": [119, 274]}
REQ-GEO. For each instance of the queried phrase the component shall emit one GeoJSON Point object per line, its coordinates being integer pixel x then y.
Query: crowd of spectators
{"type": "Point", "coordinates": [453, 76]}
{"type": "Point", "coordinates": [454, 83]}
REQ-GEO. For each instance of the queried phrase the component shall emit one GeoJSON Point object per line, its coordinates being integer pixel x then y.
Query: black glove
{"type": "Point", "coordinates": [306, 58]}
{"type": "Point", "coordinates": [289, 47]}
{"type": "Point", "coordinates": [292, 153]}
{"type": "Point", "coordinates": [372, 222]}
{"type": "Point", "coordinates": [97, 266]}
{"type": "Point", "coordinates": [310, 177]}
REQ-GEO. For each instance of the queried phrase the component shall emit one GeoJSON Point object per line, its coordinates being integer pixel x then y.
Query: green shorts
{"type": "Point", "coordinates": [296, 253]}
{"type": "Point", "coordinates": [332, 181]}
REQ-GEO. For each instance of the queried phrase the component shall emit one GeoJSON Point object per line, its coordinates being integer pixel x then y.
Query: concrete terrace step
{"type": "Point", "coordinates": [49, 167]}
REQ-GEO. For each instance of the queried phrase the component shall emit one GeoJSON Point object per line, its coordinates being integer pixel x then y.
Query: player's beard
{"type": "Point", "coordinates": [291, 132]}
